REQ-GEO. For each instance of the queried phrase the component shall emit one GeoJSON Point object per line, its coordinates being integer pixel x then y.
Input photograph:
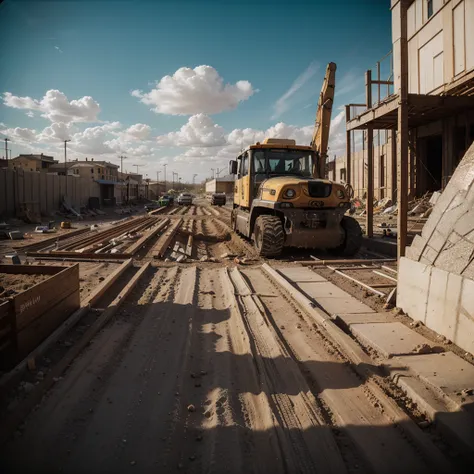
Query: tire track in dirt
{"type": "Point", "coordinates": [359, 417]}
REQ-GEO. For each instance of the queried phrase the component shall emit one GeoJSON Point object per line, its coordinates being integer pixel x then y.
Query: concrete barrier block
{"type": "Point", "coordinates": [464, 336]}
{"type": "Point", "coordinates": [443, 302]}
{"type": "Point", "coordinates": [437, 241]}
{"type": "Point", "coordinates": [455, 259]}
{"type": "Point", "coordinates": [413, 287]}
{"type": "Point", "coordinates": [430, 254]}
{"type": "Point", "coordinates": [469, 271]}
{"type": "Point", "coordinates": [465, 223]}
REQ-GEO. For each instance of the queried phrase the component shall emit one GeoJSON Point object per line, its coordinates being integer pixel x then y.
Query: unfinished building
{"type": "Point", "coordinates": [433, 61]}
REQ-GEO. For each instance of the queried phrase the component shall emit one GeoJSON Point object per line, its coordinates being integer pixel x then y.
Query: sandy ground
{"type": "Point", "coordinates": [12, 284]}
{"type": "Point", "coordinates": [211, 370]}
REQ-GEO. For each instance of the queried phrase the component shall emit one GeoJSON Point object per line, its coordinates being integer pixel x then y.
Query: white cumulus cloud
{"type": "Point", "coordinates": [200, 130]}
{"type": "Point", "coordinates": [56, 107]}
{"type": "Point", "coordinates": [193, 91]}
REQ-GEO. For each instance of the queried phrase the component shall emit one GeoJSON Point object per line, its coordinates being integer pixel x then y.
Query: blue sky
{"type": "Point", "coordinates": [107, 49]}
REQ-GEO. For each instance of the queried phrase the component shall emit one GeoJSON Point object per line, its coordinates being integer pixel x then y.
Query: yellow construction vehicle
{"type": "Point", "coordinates": [281, 198]}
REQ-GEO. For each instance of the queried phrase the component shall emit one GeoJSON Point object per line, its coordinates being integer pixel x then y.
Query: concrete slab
{"type": "Point", "coordinates": [390, 339]}
{"type": "Point", "coordinates": [443, 300]}
{"type": "Point", "coordinates": [437, 388]}
{"type": "Point", "coordinates": [300, 274]}
{"type": "Point", "coordinates": [348, 319]}
{"type": "Point", "coordinates": [413, 285]}
{"type": "Point", "coordinates": [329, 296]}
{"type": "Point", "coordinates": [447, 372]}
{"type": "Point", "coordinates": [322, 289]}
{"type": "Point", "coordinates": [342, 305]}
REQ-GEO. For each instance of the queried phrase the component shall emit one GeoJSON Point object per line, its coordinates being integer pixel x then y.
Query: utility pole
{"type": "Point", "coordinates": [6, 148]}
{"type": "Point", "coordinates": [158, 176]}
{"type": "Point", "coordinates": [65, 164]}
{"type": "Point", "coordinates": [212, 169]}
{"type": "Point", "coordinates": [219, 171]}
{"type": "Point", "coordinates": [121, 163]}
{"type": "Point", "coordinates": [138, 166]}
{"type": "Point", "coordinates": [194, 179]}
{"type": "Point", "coordinates": [164, 166]}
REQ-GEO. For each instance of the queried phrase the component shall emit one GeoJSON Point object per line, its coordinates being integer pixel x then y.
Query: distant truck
{"type": "Point", "coordinates": [185, 199]}
{"type": "Point", "coordinates": [218, 199]}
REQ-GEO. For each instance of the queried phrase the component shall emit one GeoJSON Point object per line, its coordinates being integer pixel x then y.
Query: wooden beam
{"type": "Point", "coordinates": [382, 83]}
{"type": "Point", "coordinates": [393, 164]}
{"type": "Point", "coordinates": [355, 280]}
{"type": "Point", "coordinates": [143, 240]}
{"type": "Point", "coordinates": [88, 256]}
{"type": "Point", "coordinates": [369, 206]}
{"type": "Point", "coordinates": [161, 246]}
{"type": "Point", "coordinates": [368, 89]}
{"type": "Point", "coordinates": [318, 263]}
{"type": "Point", "coordinates": [348, 147]}
{"type": "Point", "coordinates": [402, 149]}
{"type": "Point", "coordinates": [360, 122]}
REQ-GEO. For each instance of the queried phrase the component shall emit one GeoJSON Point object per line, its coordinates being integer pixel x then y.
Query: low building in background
{"type": "Point", "coordinates": [32, 162]}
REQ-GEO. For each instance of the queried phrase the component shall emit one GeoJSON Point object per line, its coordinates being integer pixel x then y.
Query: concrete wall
{"type": "Point", "coordinates": [42, 192]}
{"type": "Point", "coordinates": [382, 168]}
{"type": "Point", "coordinates": [436, 280]}
{"type": "Point", "coordinates": [440, 48]}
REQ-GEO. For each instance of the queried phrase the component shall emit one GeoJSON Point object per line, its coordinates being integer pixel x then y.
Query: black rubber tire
{"type": "Point", "coordinates": [352, 240]}
{"type": "Point", "coordinates": [269, 236]}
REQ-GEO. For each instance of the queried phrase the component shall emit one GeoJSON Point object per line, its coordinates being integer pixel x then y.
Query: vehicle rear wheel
{"type": "Point", "coordinates": [352, 240]}
{"type": "Point", "coordinates": [268, 236]}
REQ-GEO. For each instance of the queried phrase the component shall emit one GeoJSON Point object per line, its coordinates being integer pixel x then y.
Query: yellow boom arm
{"type": "Point", "coordinates": [322, 124]}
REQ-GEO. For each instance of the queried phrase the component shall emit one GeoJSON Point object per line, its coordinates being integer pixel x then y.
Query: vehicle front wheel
{"type": "Point", "coordinates": [268, 236]}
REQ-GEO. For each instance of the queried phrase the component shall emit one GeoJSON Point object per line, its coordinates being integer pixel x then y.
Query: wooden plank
{"type": "Point", "coordinates": [40, 299]}
{"type": "Point", "coordinates": [141, 242]}
{"type": "Point", "coordinates": [385, 276]}
{"type": "Point", "coordinates": [30, 269]}
{"type": "Point", "coordinates": [390, 269]}
{"type": "Point", "coordinates": [16, 417]}
{"type": "Point", "coordinates": [85, 259]}
{"type": "Point", "coordinates": [383, 285]}
{"type": "Point", "coordinates": [348, 148]}
{"type": "Point", "coordinates": [42, 327]}
{"type": "Point", "coordinates": [52, 240]}
{"type": "Point", "coordinates": [317, 263]}
{"type": "Point", "coordinates": [189, 246]}
{"type": "Point", "coordinates": [106, 284]}
{"type": "Point", "coordinates": [371, 267]}
{"type": "Point", "coordinates": [367, 287]}
{"type": "Point", "coordinates": [402, 141]}
{"type": "Point", "coordinates": [90, 256]}
{"type": "Point", "coordinates": [165, 240]}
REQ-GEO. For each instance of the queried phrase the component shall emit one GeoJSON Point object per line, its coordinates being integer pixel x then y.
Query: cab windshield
{"type": "Point", "coordinates": [271, 162]}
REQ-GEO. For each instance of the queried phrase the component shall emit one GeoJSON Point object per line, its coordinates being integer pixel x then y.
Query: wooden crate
{"type": "Point", "coordinates": [32, 315]}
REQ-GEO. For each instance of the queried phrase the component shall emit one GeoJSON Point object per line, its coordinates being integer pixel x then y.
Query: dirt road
{"type": "Point", "coordinates": [213, 369]}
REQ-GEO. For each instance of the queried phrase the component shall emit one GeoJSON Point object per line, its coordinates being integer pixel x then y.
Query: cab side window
{"type": "Point", "coordinates": [245, 164]}
{"type": "Point", "coordinates": [239, 167]}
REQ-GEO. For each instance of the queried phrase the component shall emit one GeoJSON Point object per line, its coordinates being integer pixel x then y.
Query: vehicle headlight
{"type": "Point", "coordinates": [289, 193]}
{"type": "Point", "coordinates": [340, 194]}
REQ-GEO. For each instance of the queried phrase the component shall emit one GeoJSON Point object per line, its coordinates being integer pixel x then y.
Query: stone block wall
{"type": "Point", "coordinates": [436, 278]}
